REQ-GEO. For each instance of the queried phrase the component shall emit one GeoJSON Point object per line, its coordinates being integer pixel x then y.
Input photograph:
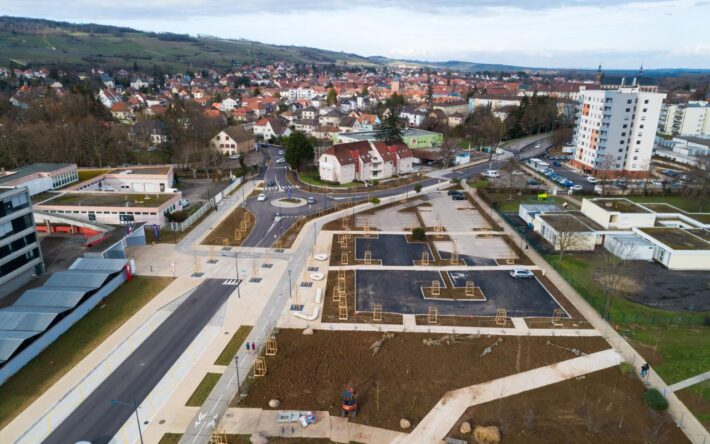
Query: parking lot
{"type": "Point", "coordinates": [401, 292]}
{"type": "Point", "coordinates": [391, 249]}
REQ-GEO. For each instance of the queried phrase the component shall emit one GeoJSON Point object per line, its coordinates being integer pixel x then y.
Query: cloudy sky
{"type": "Point", "coordinates": [544, 33]}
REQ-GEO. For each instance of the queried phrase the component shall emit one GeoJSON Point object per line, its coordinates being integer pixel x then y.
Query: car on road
{"type": "Point", "coordinates": [521, 273]}
{"type": "Point", "coordinates": [533, 182]}
{"type": "Point", "coordinates": [270, 183]}
{"type": "Point", "coordinates": [538, 145]}
{"type": "Point", "coordinates": [280, 160]}
{"type": "Point", "coordinates": [490, 173]}
{"type": "Point", "coordinates": [517, 173]}
{"type": "Point", "coordinates": [261, 197]}
{"type": "Point", "coordinates": [657, 183]}
{"type": "Point", "coordinates": [592, 179]}
{"type": "Point", "coordinates": [311, 200]}
{"type": "Point", "coordinates": [281, 152]}
{"type": "Point", "coordinates": [576, 187]}
{"type": "Point", "coordinates": [557, 163]}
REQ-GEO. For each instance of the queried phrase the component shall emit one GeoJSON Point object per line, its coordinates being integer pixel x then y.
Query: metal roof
{"type": "Point", "coordinates": [11, 340]}
{"type": "Point", "coordinates": [52, 297]}
{"type": "Point", "coordinates": [34, 168]}
{"type": "Point", "coordinates": [73, 278]}
{"type": "Point", "coordinates": [111, 265]}
{"type": "Point", "coordinates": [36, 319]}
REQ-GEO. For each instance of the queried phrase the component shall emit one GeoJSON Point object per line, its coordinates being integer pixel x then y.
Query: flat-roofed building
{"type": "Point", "coordinates": [154, 179]}
{"type": "Point", "coordinates": [20, 255]}
{"type": "Point", "coordinates": [40, 177]}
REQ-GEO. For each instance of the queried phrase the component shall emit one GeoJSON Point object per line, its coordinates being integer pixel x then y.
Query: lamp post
{"type": "Point", "coordinates": [134, 404]}
{"type": "Point", "coordinates": [236, 366]}
{"type": "Point", "coordinates": [290, 291]}
{"type": "Point", "coordinates": [236, 264]}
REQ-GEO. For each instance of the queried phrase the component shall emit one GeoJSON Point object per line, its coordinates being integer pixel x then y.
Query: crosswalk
{"type": "Point", "coordinates": [233, 282]}
{"type": "Point", "coordinates": [281, 187]}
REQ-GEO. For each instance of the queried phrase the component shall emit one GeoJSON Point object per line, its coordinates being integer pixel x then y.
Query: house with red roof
{"type": "Point", "coordinates": [364, 160]}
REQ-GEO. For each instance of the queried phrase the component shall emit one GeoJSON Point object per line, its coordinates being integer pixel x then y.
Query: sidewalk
{"type": "Point", "coordinates": [437, 423]}
{"type": "Point", "coordinates": [693, 429]}
{"type": "Point", "coordinates": [697, 379]}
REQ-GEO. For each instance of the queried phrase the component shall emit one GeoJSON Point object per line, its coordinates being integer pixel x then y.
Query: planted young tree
{"type": "Point", "coordinates": [612, 270]}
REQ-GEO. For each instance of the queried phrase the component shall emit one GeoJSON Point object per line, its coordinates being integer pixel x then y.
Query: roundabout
{"type": "Point", "coordinates": [284, 202]}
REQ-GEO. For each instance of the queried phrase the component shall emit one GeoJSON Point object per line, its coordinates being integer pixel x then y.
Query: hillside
{"type": "Point", "coordinates": [42, 42]}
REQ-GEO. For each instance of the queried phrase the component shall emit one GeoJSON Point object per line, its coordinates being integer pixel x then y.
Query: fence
{"type": "Point", "coordinates": [194, 217]}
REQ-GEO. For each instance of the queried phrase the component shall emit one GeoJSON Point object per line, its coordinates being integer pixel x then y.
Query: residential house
{"type": "Point", "coordinates": [456, 119]}
{"type": "Point", "coordinates": [233, 140]}
{"type": "Point", "coordinates": [269, 127]}
{"type": "Point", "coordinates": [121, 111]}
{"type": "Point", "coordinates": [364, 160]}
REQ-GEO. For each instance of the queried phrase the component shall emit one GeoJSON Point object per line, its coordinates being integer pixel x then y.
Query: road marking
{"type": "Point", "coordinates": [218, 401]}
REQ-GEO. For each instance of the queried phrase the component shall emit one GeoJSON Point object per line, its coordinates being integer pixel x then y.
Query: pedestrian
{"type": "Point", "coordinates": [253, 346]}
{"type": "Point", "coordinates": [644, 369]}
{"type": "Point", "coordinates": [247, 346]}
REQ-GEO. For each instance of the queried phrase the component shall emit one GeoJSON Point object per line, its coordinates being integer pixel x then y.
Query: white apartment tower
{"type": "Point", "coordinates": [691, 119]}
{"type": "Point", "coordinates": [615, 130]}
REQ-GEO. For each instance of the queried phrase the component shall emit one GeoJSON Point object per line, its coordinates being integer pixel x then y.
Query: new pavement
{"type": "Point", "coordinates": [96, 420]}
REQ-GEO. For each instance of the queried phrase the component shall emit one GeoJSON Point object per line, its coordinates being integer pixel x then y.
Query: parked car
{"type": "Point", "coordinates": [517, 173]}
{"type": "Point", "coordinates": [533, 182]}
{"type": "Point", "coordinates": [311, 200]}
{"type": "Point", "coordinates": [557, 164]}
{"type": "Point", "coordinates": [281, 152]}
{"type": "Point", "coordinates": [592, 179]}
{"type": "Point", "coordinates": [184, 203]}
{"type": "Point", "coordinates": [521, 273]}
{"type": "Point", "coordinates": [452, 192]}
{"type": "Point", "coordinates": [261, 197]}
{"type": "Point", "coordinates": [458, 197]}
{"type": "Point", "coordinates": [491, 173]}
{"type": "Point", "coordinates": [576, 187]}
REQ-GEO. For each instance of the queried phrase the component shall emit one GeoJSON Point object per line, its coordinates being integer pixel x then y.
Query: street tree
{"type": "Point", "coordinates": [568, 237]}
{"type": "Point", "coordinates": [299, 150]}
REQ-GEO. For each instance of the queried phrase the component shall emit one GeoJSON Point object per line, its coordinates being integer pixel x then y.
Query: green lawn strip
{"type": "Point", "coordinates": [170, 438]}
{"type": "Point", "coordinates": [90, 174]}
{"type": "Point", "coordinates": [232, 347]}
{"type": "Point", "coordinates": [313, 178]}
{"type": "Point", "coordinates": [203, 390]}
{"type": "Point", "coordinates": [686, 203]}
{"type": "Point", "coordinates": [18, 392]}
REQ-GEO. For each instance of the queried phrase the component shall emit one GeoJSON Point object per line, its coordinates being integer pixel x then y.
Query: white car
{"type": "Point", "coordinates": [261, 197]}
{"type": "Point", "coordinates": [576, 188]}
{"type": "Point", "coordinates": [521, 273]}
{"type": "Point", "coordinates": [281, 160]}
{"type": "Point", "coordinates": [491, 173]}
{"type": "Point", "coordinates": [591, 179]}
{"type": "Point", "coordinates": [537, 145]}
{"type": "Point", "coordinates": [517, 173]}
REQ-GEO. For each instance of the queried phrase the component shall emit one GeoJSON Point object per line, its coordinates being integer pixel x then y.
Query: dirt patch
{"type": "Point", "coordinates": [602, 407]}
{"type": "Point", "coordinates": [625, 284]}
{"type": "Point", "coordinates": [310, 372]}
{"type": "Point", "coordinates": [464, 321]}
{"type": "Point", "coordinates": [347, 223]}
{"type": "Point", "coordinates": [696, 399]}
{"type": "Point", "coordinates": [232, 231]}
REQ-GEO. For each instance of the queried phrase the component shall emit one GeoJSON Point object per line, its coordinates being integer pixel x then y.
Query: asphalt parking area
{"type": "Point", "coordinates": [400, 292]}
{"type": "Point", "coordinates": [391, 249]}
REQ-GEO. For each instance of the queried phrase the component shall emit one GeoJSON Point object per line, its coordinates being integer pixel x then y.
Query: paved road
{"type": "Point", "coordinates": [96, 420]}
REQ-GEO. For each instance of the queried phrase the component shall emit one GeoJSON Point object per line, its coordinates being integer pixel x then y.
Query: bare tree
{"type": "Point", "coordinates": [569, 236]}
{"type": "Point", "coordinates": [509, 168]}
{"type": "Point", "coordinates": [612, 270]}
{"type": "Point", "coordinates": [699, 178]}
{"type": "Point", "coordinates": [606, 164]}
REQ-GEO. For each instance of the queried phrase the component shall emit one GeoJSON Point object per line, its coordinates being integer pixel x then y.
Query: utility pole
{"type": "Point", "coordinates": [236, 263]}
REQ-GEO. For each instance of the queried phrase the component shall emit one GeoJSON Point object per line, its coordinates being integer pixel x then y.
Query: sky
{"type": "Point", "coordinates": [536, 33]}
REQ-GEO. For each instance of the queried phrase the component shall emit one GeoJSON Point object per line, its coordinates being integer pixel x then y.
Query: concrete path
{"type": "Point", "coordinates": [409, 326]}
{"type": "Point", "coordinates": [697, 379]}
{"type": "Point", "coordinates": [437, 423]}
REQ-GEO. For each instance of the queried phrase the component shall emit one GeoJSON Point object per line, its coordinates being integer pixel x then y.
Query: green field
{"type": "Point", "coordinates": [90, 174]}
{"type": "Point", "coordinates": [18, 392]}
{"type": "Point", "coordinates": [686, 203]}
{"type": "Point", "coordinates": [313, 178]}
{"type": "Point", "coordinates": [233, 346]}
{"type": "Point", "coordinates": [199, 396]}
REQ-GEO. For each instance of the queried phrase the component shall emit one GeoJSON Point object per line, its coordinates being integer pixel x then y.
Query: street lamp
{"type": "Point", "coordinates": [135, 409]}
{"type": "Point", "coordinates": [236, 264]}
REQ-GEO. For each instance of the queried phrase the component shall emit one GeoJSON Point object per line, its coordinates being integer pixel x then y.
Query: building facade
{"type": "Point", "coordinates": [615, 131]}
{"type": "Point", "coordinates": [20, 255]}
{"type": "Point", "coordinates": [691, 119]}
{"type": "Point", "coordinates": [364, 160]}
{"type": "Point", "coordinates": [40, 177]}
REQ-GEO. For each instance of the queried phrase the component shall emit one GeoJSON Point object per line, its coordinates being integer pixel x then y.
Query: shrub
{"type": "Point", "coordinates": [626, 369]}
{"type": "Point", "coordinates": [375, 182]}
{"type": "Point", "coordinates": [456, 180]}
{"type": "Point", "coordinates": [419, 234]}
{"type": "Point", "coordinates": [417, 187]}
{"type": "Point", "coordinates": [654, 399]}
{"type": "Point", "coordinates": [375, 200]}
{"type": "Point", "coordinates": [177, 216]}
{"type": "Point", "coordinates": [486, 435]}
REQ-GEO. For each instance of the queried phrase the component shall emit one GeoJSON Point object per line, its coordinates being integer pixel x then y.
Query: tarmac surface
{"type": "Point", "coordinates": [391, 249]}
{"type": "Point", "coordinates": [96, 419]}
{"type": "Point", "coordinates": [399, 291]}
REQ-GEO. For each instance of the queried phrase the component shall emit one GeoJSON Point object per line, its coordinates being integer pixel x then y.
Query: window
{"type": "Point", "coordinates": [628, 110]}
{"type": "Point", "coordinates": [628, 101]}
{"type": "Point", "coordinates": [626, 125]}
{"type": "Point", "coordinates": [645, 101]}
{"type": "Point", "coordinates": [645, 109]}
{"type": "Point", "coordinates": [641, 126]}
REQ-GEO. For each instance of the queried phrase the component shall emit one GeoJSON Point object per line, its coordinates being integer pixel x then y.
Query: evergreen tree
{"type": "Point", "coordinates": [332, 97]}
{"type": "Point", "coordinates": [391, 129]}
{"type": "Point", "coordinates": [299, 149]}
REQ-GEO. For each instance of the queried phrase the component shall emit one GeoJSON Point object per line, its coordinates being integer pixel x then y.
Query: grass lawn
{"type": "Point", "coordinates": [511, 206]}
{"type": "Point", "coordinates": [683, 350]}
{"type": "Point", "coordinates": [224, 233]}
{"type": "Point", "coordinates": [203, 390]}
{"type": "Point", "coordinates": [90, 174]}
{"type": "Point", "coordinates": [313, 178]}
{"type": "Point", "coordinates": [170, 438]}
{"type": "Point", "coordinates": [686, 203]}
{"type": "Point", "coordinates": [479, 183]}
{"type": "Point", "coordinates": [697, 399]}
{"type": "Point", "coordinates": [18, 392]}
{"type": "Point", "coordinates": [232, 347]}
